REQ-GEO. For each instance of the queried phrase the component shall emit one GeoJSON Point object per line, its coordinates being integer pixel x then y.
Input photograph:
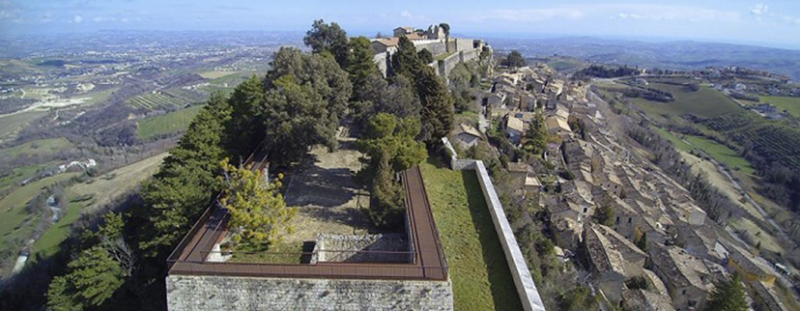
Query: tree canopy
{"type": "Point", "coordinates": [361, 65]}
{"type": "Point", "coordinates": [259, 215]}
{"type": "Point", "coordinates": [515, 59]}
{"type": "Point", "coordinates": [536, 135]}
{"type": "Point", "coordinates": [728, 295]}
{"type": "Point", "coordinates": [328, 38]}
{"type": "Point", "coordinates": [305, 98]}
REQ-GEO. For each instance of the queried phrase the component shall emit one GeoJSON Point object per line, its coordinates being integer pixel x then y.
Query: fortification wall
{"type": "Point", "coordinates": [345, 248]}
{"type": "Point", "coordinates": [436, 47]}
{"type": "Point", "coordinates": [462, 44]}
{"type": "Point", "coordinates": [214, 293]}
{"type": "Point", "coordinates": [469, 55]}
{"type": "Point", "coordinates": [447, 64]}
{"type": "Point", "coordinates": [526, 288]}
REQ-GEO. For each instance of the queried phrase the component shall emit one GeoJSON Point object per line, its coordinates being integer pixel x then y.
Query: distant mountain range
{"type": "Point", "coordinates": [666, 55]}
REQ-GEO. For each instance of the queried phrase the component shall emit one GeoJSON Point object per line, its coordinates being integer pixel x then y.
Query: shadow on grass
{"type": "Point", "coordinates": [501, 283]}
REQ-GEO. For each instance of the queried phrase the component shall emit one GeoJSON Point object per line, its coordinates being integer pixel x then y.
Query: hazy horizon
{"type": "Point", "coordinates": [767, 23]}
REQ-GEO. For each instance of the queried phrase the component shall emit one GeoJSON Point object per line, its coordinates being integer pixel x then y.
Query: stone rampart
{"type": "Point", "coordinates": [362, 248]}
{"type": "Point", "coordinates": [216, 293]}
{"type": "Point", "coordinates": [523, 281]}
{"type": "Point", "coordinates": [436, 47]}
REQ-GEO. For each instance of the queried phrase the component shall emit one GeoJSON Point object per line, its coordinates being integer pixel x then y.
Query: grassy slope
{"type": "Point", "coordinates": [721, 153]}
{"type": "Point", "coordinates": [21, 173]}
{"type": "Point", "coordinates": [9, 124]}
{"type": "Point", "coordinates": [477, 265]}
{"type": "Point", "coordinates": [102, 190]}
{"type": "Point", "coordinates": [37, 147]}
{"type": "Point", "coordinates": [12, 207]}
{"type": "Point", "coordinates": [676, 141]}
{"type": "Point", "coordinates": [169, 123]}
{"type": "Point", "coordinates": [791, 104]}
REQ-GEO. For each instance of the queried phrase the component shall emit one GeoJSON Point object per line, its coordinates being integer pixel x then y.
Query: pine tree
{"type": "Point", "coordinates": [328, 39]}
{"type": "Point", "coordinates": [536, 136]}
{"type": "Point", "coordinates": [438, 111]}
{"type": "Point", "coordinates": [244, 130]}
{"type": "Point", "coordinates": [361, 65]}
{"type": "Point", "coordinates": [258, 211]}
{"type": "Point", "coordinates": [93, 278]}
{"type": "Point", "coordinates": [406, 60]}
{"type": "Point", "coordinates": [728, 296]}
{"type": "Point", "coordinates": [386, 203]}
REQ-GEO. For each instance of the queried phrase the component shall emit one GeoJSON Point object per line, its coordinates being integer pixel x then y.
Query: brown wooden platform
{"type": "Point", "coordinates": [429, 262]}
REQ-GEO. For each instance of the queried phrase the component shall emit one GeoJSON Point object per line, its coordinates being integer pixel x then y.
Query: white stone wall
{"type": "Point", "coordinates": [216, 293]}
{"type": "Point", "coordinates": [523, 281]}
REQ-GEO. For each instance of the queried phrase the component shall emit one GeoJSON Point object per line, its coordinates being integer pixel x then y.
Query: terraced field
{"type": "Point", "coordinates": [168, 99]}
{"type": "Point", "coordinates": [172, 122]}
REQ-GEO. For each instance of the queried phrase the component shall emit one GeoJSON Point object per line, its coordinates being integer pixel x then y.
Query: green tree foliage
{"type": "Point", "coordinates": [386, 203]}
{"type": "Point", "coordinates": [515, 59]}
{"type": "Point", "coordinates": [259, 215]}
{"type": "Point", "coordinates": [391, 140]}
{"type": "Point", "coordinates": [535, 138]}
{"type": "Point", "coordinates": [438, 112]}
{"type": "Point", "coordinates": [183, 186]}
{"type": "Point", "coordinates": [243, 124]}
{"type": "Point", "coordinates": [577, 299]}
{"type": "Point", "coordinates": [306, 96]}
{"type": "Point", "coordinates": [406, 60]}
{"type": "Point", "coordinates": [642, 242]}
{"type": "Point", "coordinates": [360, 65]}
{"type": "Point", "coordinates": [398, 98]}
{"type": "Point", "coordinates": [728, 296]}
{"type": "Point", "coordinates": [425, 56]}
{"type": "Point", "coordinates": [325, 38]}
{"type": "Point", "coordinates": [92, 279]}
{"type": "Point", "coordinates": [604, 215]}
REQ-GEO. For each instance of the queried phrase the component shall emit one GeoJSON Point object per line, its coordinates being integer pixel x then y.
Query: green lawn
{"type": "Point", "coordinates": [37, 147]}
{"type": "Point", "coordinates": [791, 104]}
{"type": "Point", "coordinates": [21, 173]}
{"type": "Point", "coordinates": [168, 123]}
{"type": "Point", "coordinates": [12, 207]}
{"type": "Point", "coordinates": [706, 102]}
{"type": "Point", "coordinates": [721, 153]}
{"type": "Point", "coordinates": [48, 244]}
{"type": "Point", "coordinates": [477, 265]}
{"type": "Point", "coordinates": [676, 141]}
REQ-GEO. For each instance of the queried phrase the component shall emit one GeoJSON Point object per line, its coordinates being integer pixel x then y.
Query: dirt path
{"type": "Point", "coordinates": [326, 195]}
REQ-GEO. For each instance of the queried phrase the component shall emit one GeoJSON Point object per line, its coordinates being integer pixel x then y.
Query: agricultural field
{"type": "Point", "coordinates": [705, 103]}
{"type": "Point", "coordinates": [674, 139]}
{"type": "Point", "coordinates": [478, 267]}
{"type": "Point", "coordinates": [87, 197]}
{"type": "Point", "coordinates": [9, 124]}
{"type": "Point", "coordinates": [18, 174]}
{"type": "Point", "coordinates": [37, 148]}
{"type": "Point", "coordinates": [721, 153]}
{"type": "Point", "coordinates": [172, 122]}
{"type": "Point", "coordinates": [228, 82]}
{"type": "Point", "coordinates": [12, 208]}
{"type": "Point", "coordinates": [160, 100]}
{"type": "Point", "coordinates": [790, 104]}
{"type": "Point", "coordinates": [215, 74]}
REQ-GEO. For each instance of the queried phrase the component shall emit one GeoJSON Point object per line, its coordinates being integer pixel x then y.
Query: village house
{"type": "Point", "coordinates": [643, 300]}
{"type": "Point", "coordinates": [557, 126]}
{"type": "Point", "coordinates": [514, 128]}
{"type": "Point", "coordinates": [613, 258]}
{"type": "Point", "coordinates": [686, 277]}
{"type": "Point", "coordinates": [466, 136]}
{"type": "Point", "coordinates": [751, 269]}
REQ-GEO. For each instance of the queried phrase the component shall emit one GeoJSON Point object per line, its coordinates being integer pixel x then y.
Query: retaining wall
{"type": "Point", "coordinates": [214, 293]}
{"type": "Point", "coordinates": [447, 64]}
{"type": "Point", "coordinates": [343, 248]}
{"type": "Point", "coordinates": [436, 47]}
{"type": "Point", "coordinates": [523, 281]}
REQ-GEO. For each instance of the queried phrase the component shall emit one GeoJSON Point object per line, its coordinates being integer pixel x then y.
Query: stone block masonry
{"type": "Point", "coordinates": [216, 293]}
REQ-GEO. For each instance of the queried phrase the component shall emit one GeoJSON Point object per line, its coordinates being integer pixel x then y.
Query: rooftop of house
{"type": "Point", "coordinates": [557, 123]}
{"type": "Point", "coordinates": [515, 123]}
{"type": "Point", "coordinates": [646, 300]}
{"type": "Point", "coordinates": [519, 167]}
{"type": "Point", "coordinates": [389, 42]}
{"type": "Point", "coordinates": [468, 129]}
{"type": "Point", "coordinates": [680, 268]}
{"type": "Point", "coordinates": [602, 254]}
{"type": "Point", "coordinates": [619, 243]}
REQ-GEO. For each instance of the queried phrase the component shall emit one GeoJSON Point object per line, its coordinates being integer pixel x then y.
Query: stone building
{"type": "Point", "coordinates": [686, 277]}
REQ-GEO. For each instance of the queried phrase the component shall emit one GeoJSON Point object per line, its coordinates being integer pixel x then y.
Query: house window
{"type": "Point", "coordinates": [585, 209]}
{"type": "Point", "coordinates": [618, 220]}
{"type": "Point", "coordinates": [692, 303]}
{"type": "Point", "coordinates": [629, 219]}
{"type": "Point", "coordinates": [683, 292]}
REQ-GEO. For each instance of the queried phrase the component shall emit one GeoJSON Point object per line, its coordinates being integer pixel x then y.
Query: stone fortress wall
{"type": "Point", "coordinates": [218, 293]}
{"type": "Point", "coordinates": [526, 288]}
{"type": "Point", "coordinates": [361, 248]}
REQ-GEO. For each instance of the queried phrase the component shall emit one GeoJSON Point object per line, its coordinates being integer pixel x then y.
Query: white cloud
{"type": "Point", "coordinates": [759, 9]}
{"type": "Point", "coordinates": [406, 14]}
{"type": "Point", "coordinates": [676, 13]}
{"type": "Point", "coordinates": [535, 15]}
{"type": "Point", "coordinates": [77, 19]}
{"type": "Point", "coordinates": [101, 19]}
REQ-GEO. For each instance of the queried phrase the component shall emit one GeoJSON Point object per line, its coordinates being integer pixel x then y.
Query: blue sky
{"type": "Point", "coordinates": [770, 23]}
